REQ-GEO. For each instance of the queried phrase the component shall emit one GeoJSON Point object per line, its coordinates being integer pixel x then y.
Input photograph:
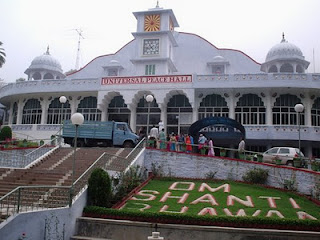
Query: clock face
{"type": "Point", "coordinates": [150, 46]}
{"type": "Point", "coordinates": [152, 23]}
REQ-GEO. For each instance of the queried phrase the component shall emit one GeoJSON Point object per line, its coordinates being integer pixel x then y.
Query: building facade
{"type": "Point", "coordinates": [189, 79]}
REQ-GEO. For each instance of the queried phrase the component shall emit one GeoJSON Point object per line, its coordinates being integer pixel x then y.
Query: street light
{"type": "Point", "coordinates": [62, 100]}
{"type": "Point", "coordinates": [77, 119]}
{"type": "Point", "coordinates": [149, 99]}
{"type": "Point", "coordinates": [299, 109]}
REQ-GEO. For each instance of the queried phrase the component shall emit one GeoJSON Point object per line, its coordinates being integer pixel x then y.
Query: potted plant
{"type": "Point", "coordinates": [297, 162]}
{"type": "Point", "coordinates": [222, 152]}
{"type": "Point", "coordinates": [315, 165]}
{"type": "Point", "coordinates": [277, 160]}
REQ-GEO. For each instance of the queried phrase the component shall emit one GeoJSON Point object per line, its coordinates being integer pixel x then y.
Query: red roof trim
{"type": "Point", "coordinates": [229, 49]}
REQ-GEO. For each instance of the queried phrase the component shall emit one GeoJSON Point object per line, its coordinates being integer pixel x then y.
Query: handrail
{"type": "Point", "coordinates": [42, 196]}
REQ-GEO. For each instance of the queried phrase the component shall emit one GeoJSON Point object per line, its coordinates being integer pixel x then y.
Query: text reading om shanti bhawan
{"type": "Point", "coordinates": [151, 195]}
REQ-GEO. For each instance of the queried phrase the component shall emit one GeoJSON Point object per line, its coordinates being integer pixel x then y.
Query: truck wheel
{"type": "Point", "coordinates": [128, 144]}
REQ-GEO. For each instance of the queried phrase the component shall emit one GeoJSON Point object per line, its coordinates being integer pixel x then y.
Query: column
{"type": "Point", "coordinates": [268, 104]}
{"type": "Point", "coordinates": [10, 113]}
{"type": "Point", "coordinates": [20, 112]}
{"type": "Point", "coordinates": [163, 115]}
{"type": "Point", "coordinates": [231, 107]}
{"type": "Point", "coordinates": [44, 110]}
{"type": "Point", "coordinates": [133, 117]}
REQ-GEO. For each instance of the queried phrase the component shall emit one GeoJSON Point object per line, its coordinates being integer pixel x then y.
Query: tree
{"type": "Point", "coordinates": [70, 71]}
{"type": "Point", "coordinates": [99, 188]}
{"type": "Point", "coordinates": [2, 55]}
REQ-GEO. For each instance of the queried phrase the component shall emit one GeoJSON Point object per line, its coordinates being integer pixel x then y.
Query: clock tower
{"type": "Point", "coordinates": [155, 40]}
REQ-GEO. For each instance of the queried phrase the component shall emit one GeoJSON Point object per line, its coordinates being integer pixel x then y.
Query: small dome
{"type": "Point", "coordinates": [284, 50]}
{"type": "Point", "coordinates": [219, 59]}
{"type": "Point", "coordinates": [46, 61]}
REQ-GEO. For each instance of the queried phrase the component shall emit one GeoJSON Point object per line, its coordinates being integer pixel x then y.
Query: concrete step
{"type": "Point", "coordinates": [87, 238]}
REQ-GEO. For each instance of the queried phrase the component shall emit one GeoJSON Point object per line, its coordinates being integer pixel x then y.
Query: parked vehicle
{"type": "Point", "coordinates": [286, 154]}
{"type": "Point", "coordinates": [92, 133]}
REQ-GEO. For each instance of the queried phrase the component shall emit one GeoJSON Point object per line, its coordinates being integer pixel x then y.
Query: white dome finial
{"type": "Point", "coordinates": [47, 52]}
{"type": "Point", "coordinates": [283, 39]}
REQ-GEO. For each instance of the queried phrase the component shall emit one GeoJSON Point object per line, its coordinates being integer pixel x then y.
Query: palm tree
{"type": "Point", "coordinates": [2, 55]}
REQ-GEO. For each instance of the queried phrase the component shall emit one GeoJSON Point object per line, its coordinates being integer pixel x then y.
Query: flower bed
{"type": "Point", "coordinates": [215, 203]}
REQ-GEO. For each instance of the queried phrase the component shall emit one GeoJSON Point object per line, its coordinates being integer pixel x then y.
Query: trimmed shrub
{"type": "Point", "coordinates": [257, 175]}
{"type": "Point", "coordinates": [99, 188]}
{"type": "Point", "coordinates": [6, 133]}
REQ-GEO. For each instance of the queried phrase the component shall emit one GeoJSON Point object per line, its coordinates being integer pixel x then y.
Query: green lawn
{"type": "Point", "coordinates": [215, 201]}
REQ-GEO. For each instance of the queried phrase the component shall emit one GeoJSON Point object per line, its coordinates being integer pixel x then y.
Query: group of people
{"type": "Point", "coordinates": [181, 142]}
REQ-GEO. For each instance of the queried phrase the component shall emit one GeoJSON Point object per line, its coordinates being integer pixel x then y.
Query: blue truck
{"type": "Point", "coordinates": [93, 133]}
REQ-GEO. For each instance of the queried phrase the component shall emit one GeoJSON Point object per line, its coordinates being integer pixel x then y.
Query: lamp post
{"type": "Point", "coordinates": [77, 119]}
{"type": "Point", "coordinates": [62, 100]}
{"type": "Point", "coordinates": [299, 109]}
{"type": "Point", "coordinates": [149, 99]}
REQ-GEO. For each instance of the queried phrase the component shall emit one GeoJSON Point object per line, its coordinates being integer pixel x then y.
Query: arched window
{"type": "Point", "coordinates": [118, 110]}
{"type": "Point", "coordinates": [250, 110]}
{"type": "Point", "coordinates": [283, 112]}
{"type": "Point", "coordinates": [48, 76]}
{"type": "Point", "coordinates": [179, 114]}
{"type": "Point", "coordinates": [57, 113]}
{"type": "Point", "coordinates": [213, 105]}
{"type": "Point", "coordinates": [36, 76]}
{"type": "Point", "coordinates": [14, 113]}
{"type": "Point", "coordinates": [143, 111]}
{"type": "Point", "coordinates": [273, 69]}
{"type": "Point", "coordinates": [315, 113]}
{"type": "Point", "coordinates": [286, 68]}
{"type": "Point", "coordinates": [32, 112]}
{"type": "Point", "coordinates": [88, 107]}
{"type": "Point", "coordinates": [299, 69]}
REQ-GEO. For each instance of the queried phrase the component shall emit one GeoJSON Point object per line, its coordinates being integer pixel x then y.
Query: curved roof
{"type": "Point", "coordinates": [284, 50]}
{"type": "Point", "coordinates": [45, 61]}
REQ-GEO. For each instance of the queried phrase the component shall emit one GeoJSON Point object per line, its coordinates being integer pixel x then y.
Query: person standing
{"type": "Point", "coordinates": [241, 147]}
{"type": "Point", "coordinates": [211, 150]}
{"type": "Point", "coordinates": [154, 134]}
{"type": "Point", "coordinates": [161, 126]}
{"type": "Point", "coordinates": [162, 139]}
{"type": "Point", "coordinates": [188, 144]}
{"type": "Point", "coordinates": [202, 141]}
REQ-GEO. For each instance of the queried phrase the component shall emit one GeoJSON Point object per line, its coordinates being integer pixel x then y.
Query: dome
{"type": "Point", "coordinates": [46, 61]}
{"type": "Point", "coordinates": [284, 50]}
{"type": "Point", "coordinates": [218, 58]}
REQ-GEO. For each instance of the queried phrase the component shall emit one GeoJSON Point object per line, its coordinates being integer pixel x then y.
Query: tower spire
{"type": "Point", "coordinates": [47, 52]}
{"type": "Point", "coordinates": [283, 39]}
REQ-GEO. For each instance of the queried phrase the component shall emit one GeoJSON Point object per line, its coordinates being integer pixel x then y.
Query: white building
{"type": "Point", "coordinates": [189, 78]}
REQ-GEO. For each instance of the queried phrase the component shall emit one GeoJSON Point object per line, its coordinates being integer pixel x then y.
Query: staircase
{"type": "Point", "coordinates": [46, 184]}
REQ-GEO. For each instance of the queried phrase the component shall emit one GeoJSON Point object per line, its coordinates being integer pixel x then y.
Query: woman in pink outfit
{"type": "Point", "coordinates": [210, 146]}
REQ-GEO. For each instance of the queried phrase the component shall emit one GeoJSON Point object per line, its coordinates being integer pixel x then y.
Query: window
{"type": "Point", "coordinates": [250, 110]}
{"type": "Point", "coordinates": [57, 113]}
{"type": "Point", "coordinates": [145, 112]}
{"type": "Point", "coordinates": [88, 107]}
{"type": "Point", "coordinates": [32, 112]}
{"type": "Point", "coordinates": [283, 112]}
{"type": "Point", "coordinates": [118, 110]}
{"type": "Point", "coordinates": [315, 113]}
{"type": "Point", "coordinates": [213, 106]}
{"type": "Point", "coordinates": [150, 69]}
{"type": "Point", "coordinates": [179, 114]}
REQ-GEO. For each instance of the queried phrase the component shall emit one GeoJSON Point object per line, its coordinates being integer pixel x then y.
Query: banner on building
{"type": "Point", "coordinates": [147, 79]}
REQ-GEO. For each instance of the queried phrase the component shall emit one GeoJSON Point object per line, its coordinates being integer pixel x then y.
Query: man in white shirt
{"type": "Point", "coordinates": [153, 136]}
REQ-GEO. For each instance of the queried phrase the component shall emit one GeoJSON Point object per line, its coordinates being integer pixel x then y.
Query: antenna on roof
{"type": "Point", "coordinates": [79, 31]}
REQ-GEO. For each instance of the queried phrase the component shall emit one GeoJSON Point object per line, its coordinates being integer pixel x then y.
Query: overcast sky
{"type": "Point", "coordinates": [27, 27]}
